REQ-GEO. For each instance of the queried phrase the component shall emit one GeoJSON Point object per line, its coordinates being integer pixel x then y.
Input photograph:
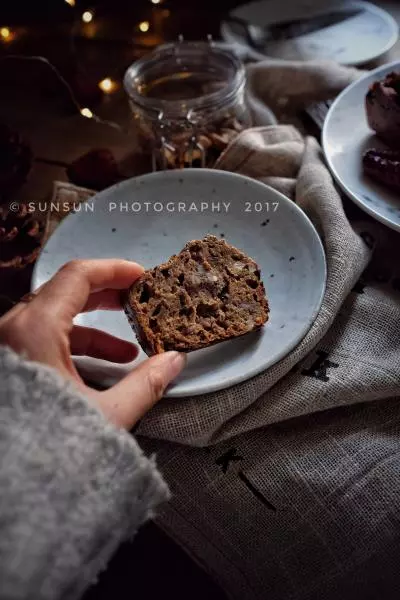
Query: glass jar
{"type": "Point", "coordinates": [188, 103]}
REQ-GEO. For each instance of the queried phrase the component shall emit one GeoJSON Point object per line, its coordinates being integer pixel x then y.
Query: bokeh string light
{"type": "Point", "coordinates": [144, 26]}
{"type": "Point", "coordinates": [87, 16]}
{"type": "Point", "coordinates": [87, 113]}
{"type": "Point", "coordinates": [83, 111]}
{"type": "Point", "coordinates": [108, 85]}
{"type": "Point", "coordinates": [6, 35]}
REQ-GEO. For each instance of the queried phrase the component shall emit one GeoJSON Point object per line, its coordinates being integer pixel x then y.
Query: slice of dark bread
{"type": "Point", "coordinates": [208, 293]}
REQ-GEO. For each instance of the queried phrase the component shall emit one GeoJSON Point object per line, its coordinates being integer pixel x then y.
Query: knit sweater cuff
{"type": "Point", "coordinates": [78, 485]}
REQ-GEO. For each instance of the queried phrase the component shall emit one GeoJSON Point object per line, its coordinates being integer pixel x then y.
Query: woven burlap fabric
{"type": "Point", "coordinates": [284, 85]}
{"type": "Point", "coordinates": [295, 490]}
{"type": "Point", "coordinates": [324, 524]}
{"type": "Point", "coordinates": [288, 87]}
{"type": "Point", "coordinates": [288, 485]}
{"type": "Point", "coordinates": [281, 157]}
{"type": "Point", "coordinates": [276, 155]}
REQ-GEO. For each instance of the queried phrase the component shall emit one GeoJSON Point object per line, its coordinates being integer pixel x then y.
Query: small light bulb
{"type": "Point", "coordinates": [107, 85]}
{"type": "Point", "coordinates": [156, 1]}
{"type": "Point", "coordinates": [144, 26]}
{"type": "Point", "coordinates": [5, 33]}
{"type": "Point", "coordinates": [86, 112]}
{"type": "Point", "coordinates": [87, 16]}
{"type": "Point", "coordinates": [70, 2]}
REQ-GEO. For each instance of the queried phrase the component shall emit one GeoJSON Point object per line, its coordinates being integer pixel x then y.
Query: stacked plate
{"type": "Point", "coordinates": [348, 32]}
{"type": "Point", "coordinates": [345, 138]}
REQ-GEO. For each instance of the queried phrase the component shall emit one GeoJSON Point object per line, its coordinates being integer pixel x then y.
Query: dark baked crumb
{"type": "Point", "coordinates": [384, 167]}
{"type": "Point", "coordinates": [382, 104]}
{"type": "Point", "coordinates": [291, 259]}
{"type": "Point", "coordinates": [208, 293]}
{"type": "Point", "coordinates": [113, 230]}
{"type": "Point", "coordinates": [264, 223]}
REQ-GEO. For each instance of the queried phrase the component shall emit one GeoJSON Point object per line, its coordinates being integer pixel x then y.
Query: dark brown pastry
{"type": "Point", "coordinates": [21, 237]}
{"type": "Point", "coordinates": [95, 170]}
{"type": "Point", "coordinates": [382, 105]}
{"type": "Point", "coordinates": [383, 166]}
{"type": "Point", "coordinates": [208, 293]}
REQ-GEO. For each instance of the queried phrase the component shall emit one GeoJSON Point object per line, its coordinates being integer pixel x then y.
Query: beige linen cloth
{"type": "Point", "coordinates": [287, 486]}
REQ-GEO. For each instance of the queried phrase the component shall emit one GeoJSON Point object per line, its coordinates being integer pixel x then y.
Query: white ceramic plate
{"type": "Point", "coordinates": [345, 138]}
{"type": "Point", "coordinates": [355, 41]}
{"type": "Point", "coordinates": [142, 220]}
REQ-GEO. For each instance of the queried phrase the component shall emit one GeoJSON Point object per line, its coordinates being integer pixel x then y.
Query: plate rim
{"type": "Point", "coordinates": [178, 174]}
{"type": "Point", "coordinates": [352, 195]}
{"type": "Point", "coordinates": [372, 7]}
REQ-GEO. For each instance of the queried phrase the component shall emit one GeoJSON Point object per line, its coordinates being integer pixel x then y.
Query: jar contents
{"type": "Point", "coordinates": [188, 104]}
{"type": "Point", "coordinates": [196, 145]}
{"type": "Point", "coordinates": [182, 86]}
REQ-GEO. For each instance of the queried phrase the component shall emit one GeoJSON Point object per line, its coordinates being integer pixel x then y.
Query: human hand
{"type": "Point", "coordinates": [44, 332]}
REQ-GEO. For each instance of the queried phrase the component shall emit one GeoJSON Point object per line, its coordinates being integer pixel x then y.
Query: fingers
{"type": "Point", "coordinates": [86, 341]}
{"type": "Point", "coordinates": [67, 293]}
{"type": "Point", "coordinates": [104, 300]}
{"type": "Point", "coordinates": [127, 402]}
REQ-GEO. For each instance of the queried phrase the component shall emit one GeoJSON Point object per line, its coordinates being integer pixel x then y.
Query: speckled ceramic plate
{"type": "Point", "coordinates": [149, 218]}
{"type": "Point", "coordinates": [345, 138]}
{"type": "Point", "coordinates": [354, 41]}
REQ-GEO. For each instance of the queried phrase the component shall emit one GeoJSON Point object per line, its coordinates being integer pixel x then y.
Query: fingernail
{"type": "Point", "coordinates": [177, 362]}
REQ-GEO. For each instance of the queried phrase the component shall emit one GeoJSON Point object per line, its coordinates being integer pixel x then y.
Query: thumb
{"type": "Point", "coordinates": [129, 400]}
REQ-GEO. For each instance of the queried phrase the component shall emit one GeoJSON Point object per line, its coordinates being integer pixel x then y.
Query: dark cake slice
{"type": "Point", "coordinates": [382, 105]}
{"type": "Point", "coordinates": [383, 166]}
{"type": "Point", "coordinates": [208, 293]}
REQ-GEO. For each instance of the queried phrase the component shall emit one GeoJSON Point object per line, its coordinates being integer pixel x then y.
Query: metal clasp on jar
{"type": "Point", "coordinates": [193, 143]}
{"type": "Point", "coordinates": [179, 146]}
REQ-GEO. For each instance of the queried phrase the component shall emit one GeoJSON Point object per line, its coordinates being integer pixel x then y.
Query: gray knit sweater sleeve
{"type": "Point", "coordinates": [72, 486]}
